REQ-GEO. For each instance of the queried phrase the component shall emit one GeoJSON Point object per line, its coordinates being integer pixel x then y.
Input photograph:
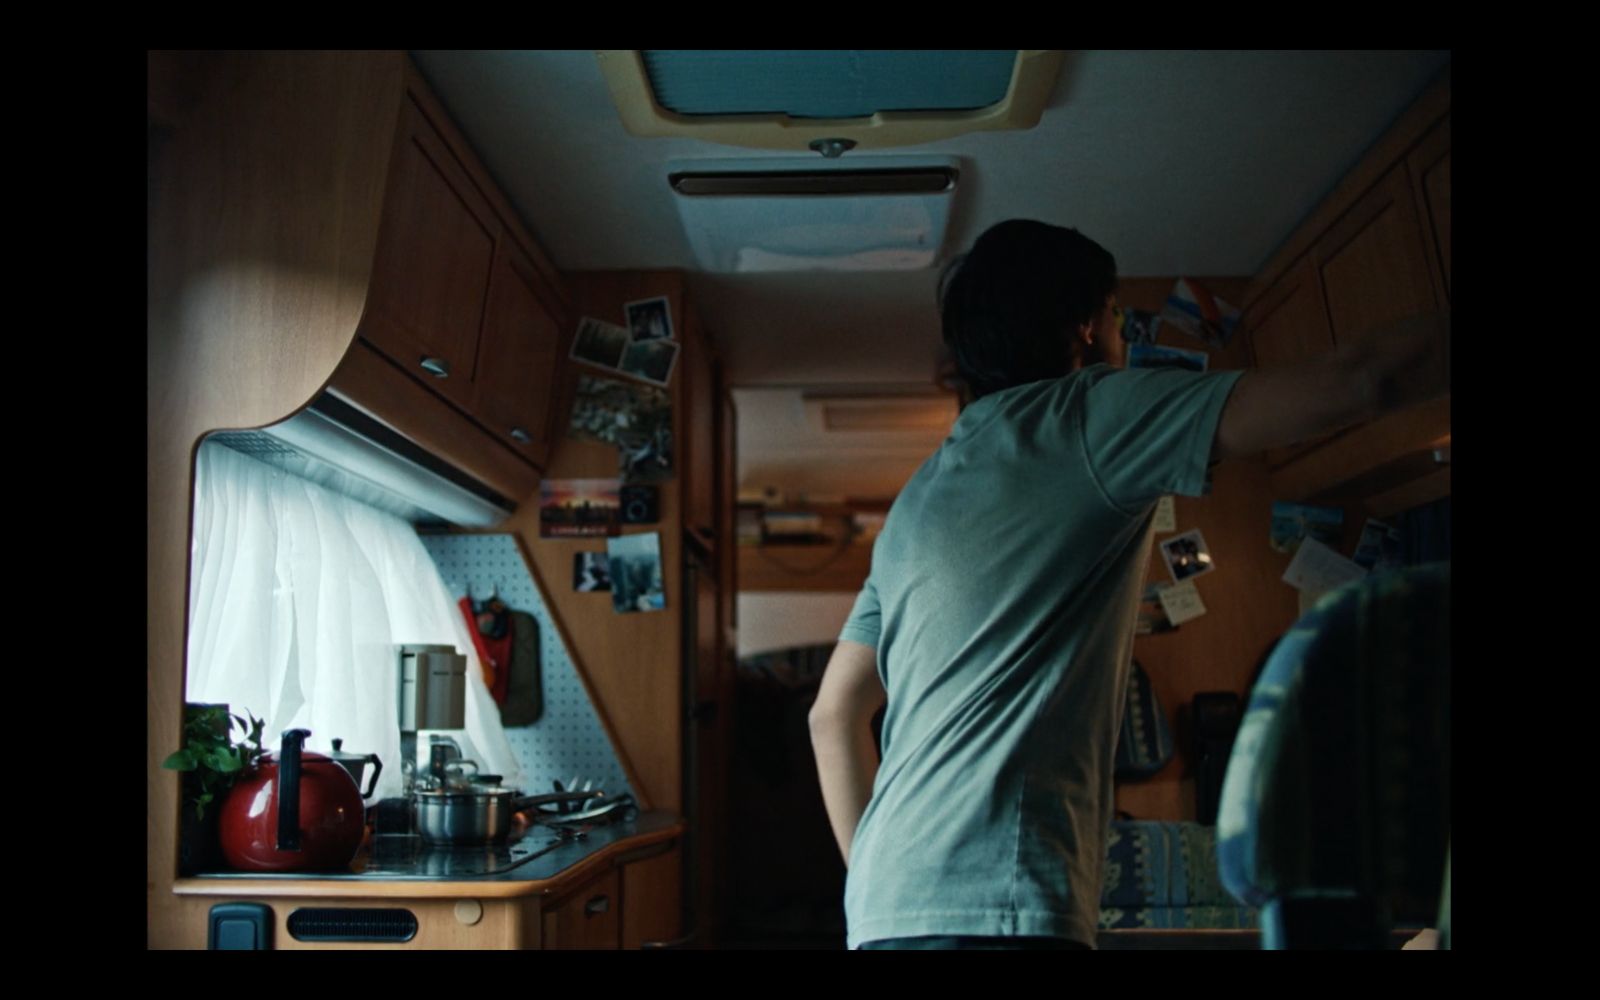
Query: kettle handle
{"type": "Point", "coordinates": [377, 768]}
{"type": "Point", "coordinates": [289, 789]}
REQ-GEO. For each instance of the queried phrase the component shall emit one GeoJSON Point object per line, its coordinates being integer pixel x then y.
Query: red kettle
{"type": "Point", "coordinates": [297, 811]}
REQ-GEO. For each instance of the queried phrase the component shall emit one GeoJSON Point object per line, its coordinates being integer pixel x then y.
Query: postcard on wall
{"type": "Point", "coordinates": [1153, 618]}
{"type": "Point", "coordinates": [1380, 546]}
{"type": "Point", "coordinates": [1139, 326]}
{"type": "Point", "coordinates": [1187, 556]}
{"type": "Point", "coordinates": [1193, 309]}
{"type": "Point", "coordinates": [590, 572]}
{"type": "Point", "coordinates": [580, 508]}
{"type": "Point", "coordinates": [607, 410]}
{"type": "Point", "coordinates": [650, 319]}
{"type": "Point", "coordinates": [1292, 522]}
{"type": "Point", "coordinates": [636, 580]}
{"type": "Point", "coordinates": [1317, 569]}
{"type": "Point", "coordinates": [1166, 515]}
{"type": "Point", "coordinates": [599, 343]}
{"type": "Point", "coordinates": [1158, 356]}
{"type": "Point", "coordinates": [1182, 602]}
{"type": "Point", "coordinates": [651, 360]}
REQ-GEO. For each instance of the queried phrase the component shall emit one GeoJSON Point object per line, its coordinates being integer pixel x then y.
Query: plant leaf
{"type": "Point", "coordinates": [181, 760]}
{"type": "Point", "coordinates": [226, 761]}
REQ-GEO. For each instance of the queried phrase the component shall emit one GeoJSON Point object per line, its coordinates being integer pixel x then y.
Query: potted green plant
{"type": "Point", "coordinates": [211, 761]}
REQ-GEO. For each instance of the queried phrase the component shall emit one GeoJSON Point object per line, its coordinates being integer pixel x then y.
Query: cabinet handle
{"type": "Point", "coordinates": [521, 435]}
{"type": "Point", "coordinates": [599, 904]}
{"type": "Point", "coordinates": [437, 367]}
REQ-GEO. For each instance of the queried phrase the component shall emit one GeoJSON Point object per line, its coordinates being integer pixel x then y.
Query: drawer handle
{"type": "Point", "coordinates": [599, 904]}
{"type": "Point", "coordinates": [521, 435]}
{"type": "Point", "coordinates": [437, 367]}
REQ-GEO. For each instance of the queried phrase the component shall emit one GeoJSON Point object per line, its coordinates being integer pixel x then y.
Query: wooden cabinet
{"type": "Point", "coordinates": [460, 299]}
{"type": "Point", "coordinates": [589, 918]}
{"type": "Point", "coordinates": [521, 344]}
{"type": "Point", "coordinates": [1376, 252]}
{"type": "Point", "coordinates": [435, 252]}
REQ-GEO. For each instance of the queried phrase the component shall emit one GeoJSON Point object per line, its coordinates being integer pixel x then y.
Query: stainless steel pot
{"type": "Point", "coordinates": [478, 814]}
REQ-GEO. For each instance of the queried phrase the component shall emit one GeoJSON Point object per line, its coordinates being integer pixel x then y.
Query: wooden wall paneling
{"type": "Point", "coordinates": [1247, 604]}
{"type": "Point", "coordinates": [632, 661]}
{"type": "Point", "coordinates": [253, 300]}
{"type": "Point", "coordinates": [700, 444]}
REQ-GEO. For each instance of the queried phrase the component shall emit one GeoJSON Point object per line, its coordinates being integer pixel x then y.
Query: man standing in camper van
{"type": "Point", "coordinates": [998, 617]}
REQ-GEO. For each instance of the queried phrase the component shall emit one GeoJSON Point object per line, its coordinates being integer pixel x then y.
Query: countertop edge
{"type": "Point", "coordinates": [311, 887]}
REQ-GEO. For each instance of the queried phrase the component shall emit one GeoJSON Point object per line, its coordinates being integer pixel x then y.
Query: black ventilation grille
{"type": "Point", "coordinates": [327, 923]}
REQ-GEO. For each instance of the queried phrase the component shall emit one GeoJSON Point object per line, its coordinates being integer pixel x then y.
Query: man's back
{"type": "Point", "coordinates": [1001, 604]}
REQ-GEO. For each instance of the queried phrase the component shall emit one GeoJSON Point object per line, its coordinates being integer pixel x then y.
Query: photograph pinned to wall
{"type": "Point", "coordinates": [1193, 309]}
{"type": "Point", "coordinates": [1166, 515]}
{"type": "Point", "coordinates": [1187, 556]}
{"type": "Point", "coordinates": [591, 572]}
{"type": "Point", "coordinates": [607, 410]}
{"type": "Point", "coordinates": [599, 343]}
{"type": "Point", "coordinates": [580, 508]}
{"type": "Point", "coordinates": [1138, 326]}
{"type": "Point", "coordinates": [1182, 602]}
{"type": "Point", "coordinates": [650, 319]}
{"type": "Point", "coordinates": [1153, 618]}
{"type": "Point", "coordinates": [1317, 569]}
{"type": "Point", "coordinates": [1292, 522]}
{"type": "Point", "coordinates": [1380, 547]}
{"type": "Point", "coordinates": [1158, 356]}
{"type": "Point", "coordinates": [651, 360]}
{"type": "Point", "coordinates": [635, 565]}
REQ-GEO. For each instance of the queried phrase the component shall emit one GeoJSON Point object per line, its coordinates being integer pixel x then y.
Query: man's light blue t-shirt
{"type": "Point", "coordinates": [1002, 601]}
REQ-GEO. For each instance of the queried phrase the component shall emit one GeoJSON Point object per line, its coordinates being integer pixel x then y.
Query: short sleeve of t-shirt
{"type": "Point", "coordinates": [1149, 431]}
{"type": "Point", "coordinates": [863, 624]}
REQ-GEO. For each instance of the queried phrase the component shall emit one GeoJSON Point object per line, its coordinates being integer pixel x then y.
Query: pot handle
{"type": "Point", "coordinates": [377, 768]}
{"type": "Point", "coordinates": [289, 789]}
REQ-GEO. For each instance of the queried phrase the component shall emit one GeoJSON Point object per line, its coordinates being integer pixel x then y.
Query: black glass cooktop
{"type": "Point", "coordinates": [397, 857]}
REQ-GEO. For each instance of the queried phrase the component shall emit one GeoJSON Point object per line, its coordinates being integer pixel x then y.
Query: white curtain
{"type": "Point", "coordinates": [298, 598]}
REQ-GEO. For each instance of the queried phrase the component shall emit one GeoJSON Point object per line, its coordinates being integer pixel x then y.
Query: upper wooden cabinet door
{"type": "Point", "coordinates": [435, 253]}
{"type": "Point", "coordinates": [518, 355]}
{"type": "Point", "coordinates": [1289, 323]}
{"type": "Point", "coordinates": [1373, 263]}
{"type": "Point", "coordinates": [1430, 172]}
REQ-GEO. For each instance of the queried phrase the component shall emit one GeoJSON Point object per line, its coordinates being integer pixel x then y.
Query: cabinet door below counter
{"type": "Point", "coordinates": [588, 919]}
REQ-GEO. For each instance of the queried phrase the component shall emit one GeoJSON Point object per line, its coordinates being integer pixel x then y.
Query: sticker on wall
{"type": "Point", "coordinates": [1138, 326]}
{"type": "Point", "coordinates": [1158, 356]}
{"type": "Point", "coordinates": [1166, 515]}
{"type": "Point", "coordinates": [1195, 311]}
{"type": "Point", "coordinates": [1187, 556]}
{"type": "Point", "coordinates": [650, 319]}
{"type": "Point", "coordinates": [1153, 619]}
{"type": "Point", "coordinates": [591, 572]}
{"type": "Point", "coordinates": [1380, 546]}
{"type": "Point", "coordinates": [636, 579]}
{"type": "Point", "coordinates": [1182, 602]}
{"type": "Point", "coordinates": [1292, 522]}
{"type": "Point", "coordinates": [580, 508]}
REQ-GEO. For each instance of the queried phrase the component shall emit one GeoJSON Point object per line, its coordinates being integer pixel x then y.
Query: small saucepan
{"type": "Point", "coordinates": [479, 812]}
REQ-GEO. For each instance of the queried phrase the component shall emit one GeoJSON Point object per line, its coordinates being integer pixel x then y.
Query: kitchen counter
{"type": "Point", "coordinates": [538, 864]}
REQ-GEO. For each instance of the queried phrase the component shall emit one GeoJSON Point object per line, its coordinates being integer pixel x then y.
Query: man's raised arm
{"type": "Point", "coordinates": [1401, 365]}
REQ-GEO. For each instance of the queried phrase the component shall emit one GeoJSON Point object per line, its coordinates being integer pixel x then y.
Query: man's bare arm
{"type": "Point", "coordinates": [841, 736]}
{"type": "Point", "coordinates": [1397, 367]}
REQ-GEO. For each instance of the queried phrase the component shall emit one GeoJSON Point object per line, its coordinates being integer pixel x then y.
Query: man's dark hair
{"type": "Point", "coordinates": [1010, 304]}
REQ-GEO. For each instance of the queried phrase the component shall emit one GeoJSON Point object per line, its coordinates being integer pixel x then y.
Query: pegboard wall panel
{"type": "Point", "coordinates": [567, 740]}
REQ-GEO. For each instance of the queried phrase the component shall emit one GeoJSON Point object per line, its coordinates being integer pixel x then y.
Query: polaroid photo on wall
{"type": "Point", "coordinates": [1380, 547]}
{"type": "Point", "coordinates": [1158, 356]}
{"type": "Point", "coordinates": [580, 508]}
{"type": "Point", "coordinates": [651, 360]}
{"type": "Point", "coordinates": [1182, 602]}
{"type": "Point", "coordinates": [1153, 619]}
{"type": "Point", "coordinates": [1187, 556]}
{"type": "Point", "coordinates": [1293, 522]}
{"type": "Point", "coordinates": [636, 580]}
{"type": "Point", "coordinates": [599, 343]}
{"type": "Point", "coordinates": [650, 319]}
{"type": "Point", "coordinates": [590, 572]}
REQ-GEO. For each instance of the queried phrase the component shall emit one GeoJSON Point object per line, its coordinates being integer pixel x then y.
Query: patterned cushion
{"type": "Point", "coordinates": [1164, 875]}
{"type": "Point", "coordinates": [1339, 780]}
